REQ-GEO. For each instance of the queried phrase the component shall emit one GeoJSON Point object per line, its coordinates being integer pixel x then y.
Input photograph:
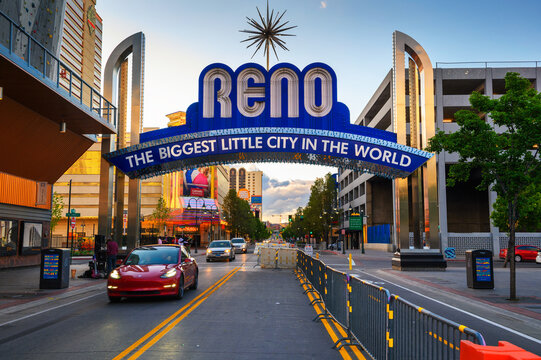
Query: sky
{"type": "Point", "coordinates": [354, 37]}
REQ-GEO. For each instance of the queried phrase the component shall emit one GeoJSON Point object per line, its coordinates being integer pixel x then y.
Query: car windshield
{"type": "Point", "coordinates": [237, 241]}
{"type": "Point", "coordinates": [219, 244]}
{"type": "Point", "coordinates": [153, 256]}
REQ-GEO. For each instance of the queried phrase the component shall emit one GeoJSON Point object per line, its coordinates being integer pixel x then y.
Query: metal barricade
{"type": "Point", "coordinates": [417, 333]}
{"type": "Point", "coordinates": [336, 301]}
{"type": "Point", "coordinates": [369, 316]}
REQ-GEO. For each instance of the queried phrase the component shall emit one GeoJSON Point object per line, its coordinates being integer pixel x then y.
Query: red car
{"type": "Point", "coordinates": [522, 252]}
{"type": "Point", "coordinates": [153, 270]}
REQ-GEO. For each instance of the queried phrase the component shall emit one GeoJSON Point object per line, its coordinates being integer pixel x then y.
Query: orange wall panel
{"type": "Point", "coordinates": [18, 191]}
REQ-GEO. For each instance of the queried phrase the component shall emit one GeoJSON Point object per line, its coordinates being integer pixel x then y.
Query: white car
{"type": "Point", "coordinates": [240, 245]}
{"type": "Point", "coordinates": [538, 258]}
{"type": "Point", "coordinates": [221, 249]}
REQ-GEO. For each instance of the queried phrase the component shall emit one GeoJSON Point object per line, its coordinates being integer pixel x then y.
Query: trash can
{"type": "Point", "coordinates": [55, 267]}
{"type": "Point", "coordinates": [479, 269]}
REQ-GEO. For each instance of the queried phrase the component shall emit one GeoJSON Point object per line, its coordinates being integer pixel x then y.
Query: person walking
{"type": "Point", "coordinates": [112, 251]}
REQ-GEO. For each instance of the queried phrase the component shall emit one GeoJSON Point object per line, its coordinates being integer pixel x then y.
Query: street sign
{"type": "Point", "coordinates": [355, 222]}
{"type": "Point", "coordinates": [72, 222]}
{"type": "Point", "coordinates": [73, 214]}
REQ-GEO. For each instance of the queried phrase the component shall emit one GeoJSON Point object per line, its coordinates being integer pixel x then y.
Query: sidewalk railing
{"type": "Point", "coordinates": [384, 325]}
{"type": "Point", "coordinates": [26, 51]}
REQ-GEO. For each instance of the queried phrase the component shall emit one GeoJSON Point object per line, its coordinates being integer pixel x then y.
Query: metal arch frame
{"type": "Point", "coordinates": [134, 45]}
{"type": "Point", "coordinates": [403, 44]}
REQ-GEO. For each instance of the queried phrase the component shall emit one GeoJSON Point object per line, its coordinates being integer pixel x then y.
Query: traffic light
{"type": "Point", "coordinates": [290, 219]}
{"type": "Point", "coordinates": [302, 217]}
{"type": "Point", "coordinates": [310, 233]}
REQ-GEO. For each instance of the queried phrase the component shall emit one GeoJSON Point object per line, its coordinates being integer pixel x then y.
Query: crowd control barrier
{"type": "Point", "coordinates": [386, 326]}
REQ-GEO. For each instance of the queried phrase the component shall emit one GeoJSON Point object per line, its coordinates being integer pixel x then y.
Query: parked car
{"type": "Point", "coordinates": [522, 252]}
{"type": "Point", "coordinates": [221, 249]}
{"type": "Point", "coordinates": [153, 270]}
{"type": "Point", "coordinates": [335, 246]}
{"type": "Point", "coordinates": [538, 258]}
{"type": "Point", "coordinates": [240, 245]}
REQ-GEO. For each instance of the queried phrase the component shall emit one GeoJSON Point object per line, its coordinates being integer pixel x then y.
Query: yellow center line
{"type": "Point", "coordinates": [163, 323]}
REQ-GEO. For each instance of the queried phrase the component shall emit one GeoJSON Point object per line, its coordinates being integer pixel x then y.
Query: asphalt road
{"type": "Point", "coordinates": [493, 323]}
{"type": "Point", "coordinates": [253, 314]}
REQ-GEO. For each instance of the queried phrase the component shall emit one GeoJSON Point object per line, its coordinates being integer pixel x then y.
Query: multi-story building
{"type": "Point", "coordinates": [240, 179]}
{"type": "Point", "coordinates": [464, 221]}
{"type": "Point", "coordinates": [42, 108]}
{"type": "Point", "coordinates": [82, 43]}
{"type": "Point", "coordinates": [84, 176]}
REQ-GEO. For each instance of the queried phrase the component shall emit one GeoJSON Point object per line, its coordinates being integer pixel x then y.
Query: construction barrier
{"type": "Point", "coordinates": [277, 258]}
{"type": "Point", "coordinates": [384, 325]}
{"type": "Point", "coordinates": [504, 351]}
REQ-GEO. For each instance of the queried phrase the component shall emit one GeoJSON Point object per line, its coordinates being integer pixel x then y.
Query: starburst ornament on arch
{"type": "Point", "coordinates": [267, 32]}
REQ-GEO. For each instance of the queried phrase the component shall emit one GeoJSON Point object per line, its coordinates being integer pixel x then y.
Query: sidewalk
{"type": "Point", "coordinates": [453, 280]}
{"type": "Point", "coordinates": [21, 285]}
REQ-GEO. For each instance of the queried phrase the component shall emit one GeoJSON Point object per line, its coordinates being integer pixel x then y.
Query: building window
{"type": "Point", "coordinates": [8, 237]}
{"type": "Point", "coordinates": [32, 233]}
{"type": "Point", "coordinates": [361, 189]}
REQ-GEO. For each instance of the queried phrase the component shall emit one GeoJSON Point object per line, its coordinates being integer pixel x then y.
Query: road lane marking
{"type": "Point", "coordinates": [203, 296]}
{"type": "Point", "coordinates": [327, 324]}
{"type": "Point", "coordinates": [459, 310]}
{"type": "Point", "coordinates": [46, 310]}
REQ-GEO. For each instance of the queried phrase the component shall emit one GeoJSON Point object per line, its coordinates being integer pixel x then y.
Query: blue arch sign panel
{"type": "Point", "coordinates": [281, 115]}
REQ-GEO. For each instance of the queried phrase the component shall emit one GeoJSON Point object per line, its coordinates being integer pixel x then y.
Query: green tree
{"type": "Point", "coordinates": [260, 231]}
{"type": "Point", "coordinates": [161, 214]}
{"type": "Point", "coordinates": [56, 210]}
{"type": "Point", "coordinates": [508, 158]}
{"type": "Point", "coordinates": [319, 212]}
{"type": "Point", "coordinates": [237, 214]}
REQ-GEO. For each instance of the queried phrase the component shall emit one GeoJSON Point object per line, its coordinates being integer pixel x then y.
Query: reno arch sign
{"type": "Point", "coordinates": [255, 115]}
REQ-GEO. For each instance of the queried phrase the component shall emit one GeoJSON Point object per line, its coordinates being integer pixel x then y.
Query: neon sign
{"type": "Point", "coordinates": [283, 115]}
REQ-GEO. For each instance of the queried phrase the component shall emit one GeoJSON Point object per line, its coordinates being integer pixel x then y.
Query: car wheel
{"type": "Point", "coordinates": [195, 281]}
{"type": "Point", "coordinates": [180, 291]}
{"type": "Point", "coordinates": [208, 260]}
{"type": "Point", "coordinates": [518, 258]}
{"type": "Point", "coordinates": [114, 299]}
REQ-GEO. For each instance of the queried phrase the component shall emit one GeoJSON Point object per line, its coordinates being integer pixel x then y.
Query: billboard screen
{"type": "Point", "coordinates": [197, 182]}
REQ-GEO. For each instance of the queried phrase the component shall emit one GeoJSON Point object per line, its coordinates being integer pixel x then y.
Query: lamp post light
{"type": "Point", "coordinates": [189, 207]}
{"type": "Point", "coordinates": [362, 231]}
{"type": "Point", "coordinates": [212, 209]}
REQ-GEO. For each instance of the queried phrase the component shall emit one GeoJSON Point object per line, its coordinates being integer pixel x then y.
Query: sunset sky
{"type": "Point", "coordinates": [354, 37]}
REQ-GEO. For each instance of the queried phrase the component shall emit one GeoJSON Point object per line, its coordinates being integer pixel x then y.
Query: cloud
{"type": "Point", "coordinates": [283, 197]}
{"type": "Point", "coordinates": [323, 4]}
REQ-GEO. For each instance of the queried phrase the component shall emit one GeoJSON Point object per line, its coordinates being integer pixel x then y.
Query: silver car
{"type": "Point", "coordinates": [240, 245]}
{"type": "Point", "coordinates": [221, 249]}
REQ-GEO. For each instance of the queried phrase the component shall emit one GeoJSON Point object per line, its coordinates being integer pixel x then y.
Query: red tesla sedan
{"type": "Point", "coordinates": [153, 270]}
{"type": "Point", "coordinates": [522, 252]}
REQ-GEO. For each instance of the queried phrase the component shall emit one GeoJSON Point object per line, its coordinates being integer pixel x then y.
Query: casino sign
{"type": "Point", "coordinates": [255, 115]}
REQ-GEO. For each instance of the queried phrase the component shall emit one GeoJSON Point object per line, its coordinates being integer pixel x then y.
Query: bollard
{"type": "Point", "coordinates": [350, 267]}
{"type": "Point", "coordinates": [317, 256]}
{"type": "Point", "coordinates": [73, 272]}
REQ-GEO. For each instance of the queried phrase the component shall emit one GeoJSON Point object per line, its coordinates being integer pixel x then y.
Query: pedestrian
{"type": "Point", "coordinates": [112, 251]}
{"type": "Point", "coordinates": [160, 241]}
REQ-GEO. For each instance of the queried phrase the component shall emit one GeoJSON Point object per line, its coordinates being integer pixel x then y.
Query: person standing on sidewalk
{"type": "Point", "coordinates": [112, 251]}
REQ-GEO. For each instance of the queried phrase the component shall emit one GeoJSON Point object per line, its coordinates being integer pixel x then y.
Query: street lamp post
{"type": "Point", "coordinates": [362, 231]}
{"type": "Point", "coordinates": [189, 207]}
{"type": "Point", "coordinates": [212, 209]}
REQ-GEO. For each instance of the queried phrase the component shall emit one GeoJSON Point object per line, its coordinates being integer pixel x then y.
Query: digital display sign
{"type": "Point", "coordinates": [50, 266]}
{"type": "Point", "coordinates": [482, 269]}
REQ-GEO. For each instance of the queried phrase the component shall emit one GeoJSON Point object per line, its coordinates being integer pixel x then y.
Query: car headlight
{"type": "Point", "coordinates": [209, 251]}
{"type": "Point", "coordinates": [227, 251]}
{"type": "Point", "coordinates": [115, 274]}
{"type": "Point", "coordinates": [169, 274]}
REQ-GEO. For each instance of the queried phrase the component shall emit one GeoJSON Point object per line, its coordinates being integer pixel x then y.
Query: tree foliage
{"type": "Point", "coordinates": [505, 150]}
{"type": "Point", "coordinates": [238, 215]}
{"type": "Point", "coordinates": [160, 214]}
{"type": "Point", "coordinates": [56, 210]}
{"type": "Point", "coordinates": [319, 214]}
